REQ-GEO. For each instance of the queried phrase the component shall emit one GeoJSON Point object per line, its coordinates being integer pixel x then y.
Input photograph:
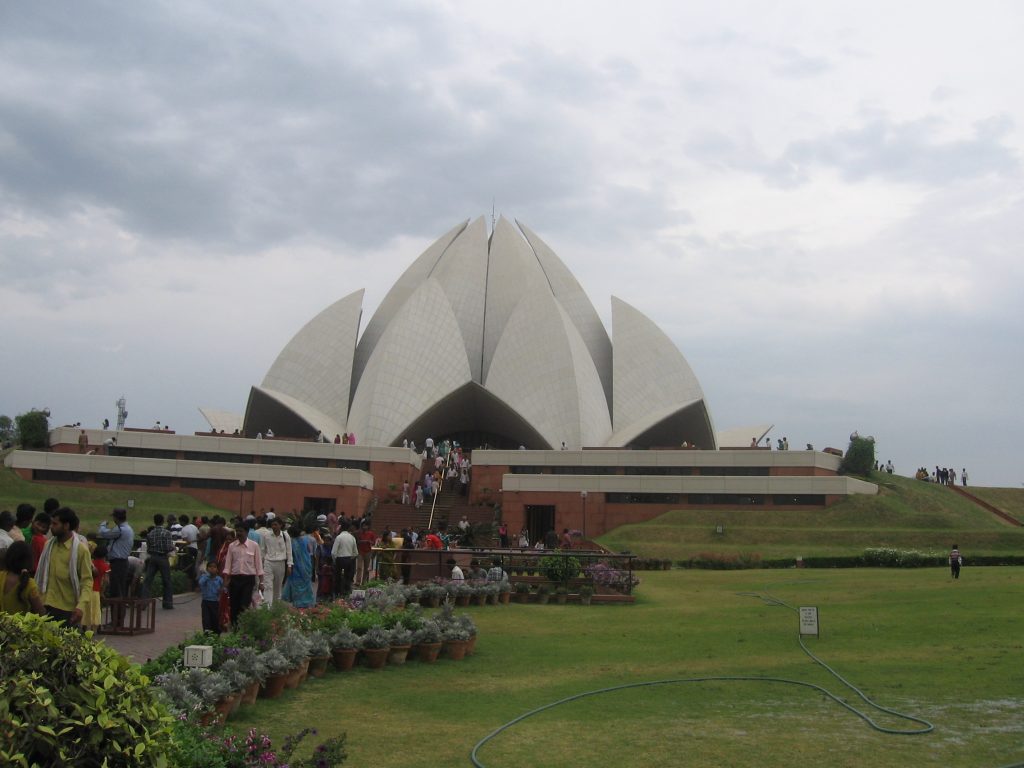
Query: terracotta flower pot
{"type": "Point", "coordinates": [318, 665]}
{"type": "Point", "coordinates": [303, 671]}
{"type": "Point", "coordinates": [294, 677]}
{"type": "Point", "coordinates": [398, 654]}
{"type": "Point", "coordinates": [224, 707]}
{"type": "Point", "coordinates": [561, 597]}
{"type": "Point", "coordinates": [428, 652]}
{"type": "Point", "coordinates": [375, 657]}
{"type": "Point", "coordinates": [250, 693]}
{"type": "Point", "coordinates": [344, 658]}
{"type": "Point", "coordinates": [543, 599]}
{"type": "Point", "coordinates": [522, 597]}
{"type": "Point", "coordinates": [462, 600]}
{"type": "Point", "coordinates": [455, 649]}
{"type": "Point", "coordinates": [273, 686]}
{"type": "Point", "coordinates": [505, 597]}
{"type": "Point", "coordinates": [479, 599]}
{"type": "Point", "coordinates": [492, 599]}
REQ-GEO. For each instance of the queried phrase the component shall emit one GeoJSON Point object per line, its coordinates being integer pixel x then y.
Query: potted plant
{"type": "Point", "coordinates": [586, 594]}
{"type": "Point", "coordinates": [345, 645]}
{"type": "Point", "coordinates": [522, 590]}
{"type": "Point", "coordinates": [247, 659]}
{"type": "Point", "coordinates": [319, 653]}
{"type": "Point", "coordinates": [504, 592]}
{"type": "Point", "coordinates": [275, 669]}
{"type": "Point", "coordinates": [543, 594]}
{"type": "Point", "coordinates": [427, 640]}
{"type": "Point", "coordinates": [214, 690]}
{"type": "Point", "coordinates": [561, 594]}
{"type": "Point", "coordinates": [401, 642]}
{"type": "Point", "coordinates": [432, 594]}
{"type": "Point", "coordinates": [463, 592]}
{"type": "Point", "coordinates": [478, 596]}
{"type": "Point", "coordinates": [177, 693]}
{"type": "Point", "coordinates": [238, 677]}
{"type": "Point", "coordinates": [466, 622]}
{"type": "Point", "coordinates": [295, 647]}
{"type": "Point", "coordinates": [376, 645]}
{"type": "Point", "coordinates": [456, 637]}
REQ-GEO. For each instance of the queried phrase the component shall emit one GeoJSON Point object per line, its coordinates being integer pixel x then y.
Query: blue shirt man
{"type": "Point", "coordinates": [122, 540]}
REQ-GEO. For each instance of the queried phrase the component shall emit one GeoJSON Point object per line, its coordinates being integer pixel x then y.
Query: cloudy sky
{"type": "Point", "coordinates": [821, 203]}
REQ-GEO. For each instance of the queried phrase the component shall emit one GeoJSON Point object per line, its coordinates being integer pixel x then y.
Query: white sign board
{"type": "Point", "coordinates": [198, 656]}
{"type": "Point", "coordinates": [809, 621]}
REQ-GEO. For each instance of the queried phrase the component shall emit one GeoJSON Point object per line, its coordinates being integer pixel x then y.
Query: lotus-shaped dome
{"type": "Point", "coordinates": [484, 340]}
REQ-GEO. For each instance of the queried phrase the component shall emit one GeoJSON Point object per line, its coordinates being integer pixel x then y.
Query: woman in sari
{"type": "Point", "coordinates": [298, 590]}
{"type": "Point", "coordinates": [224, 607]}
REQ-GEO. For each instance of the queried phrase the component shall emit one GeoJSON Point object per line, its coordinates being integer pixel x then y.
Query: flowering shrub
{"type": "Point", "coordinates": [604, 575]}
{"type": "Point", "coordinates": [193, 748]}
{"type": "Point", "coordinates": [724, 561]}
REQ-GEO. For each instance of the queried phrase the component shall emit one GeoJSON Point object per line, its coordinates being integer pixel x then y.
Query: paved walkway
{"type": "Point", "coordinates": [171, 628]}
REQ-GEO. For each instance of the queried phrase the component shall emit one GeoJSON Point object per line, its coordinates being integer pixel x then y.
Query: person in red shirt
{"type": "Point", "coordinates": [365, 540]}
{"type": "Point", "coordinates": [39, 528]}
{"type": "Point", "coordinates": [433, 541]}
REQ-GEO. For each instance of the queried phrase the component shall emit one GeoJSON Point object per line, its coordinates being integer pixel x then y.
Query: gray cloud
{"type": "Point", "coordinates": [906, 152]}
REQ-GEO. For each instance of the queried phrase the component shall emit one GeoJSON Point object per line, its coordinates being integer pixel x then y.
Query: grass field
{"type": "Point", "coordinates": [907, 514]}
{"type": "Point", "coordinates": [913, 640]}
{"type": "Point", "coordinates": [93, 505]}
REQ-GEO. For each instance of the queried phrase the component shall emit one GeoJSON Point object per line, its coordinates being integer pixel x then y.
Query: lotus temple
{"type": "Point", "coordinates": [486, 340]}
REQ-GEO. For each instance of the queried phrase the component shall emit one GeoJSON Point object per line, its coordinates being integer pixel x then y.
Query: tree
{"type": "Point", "coordinates": [859, 458]}
{"type": "Point", "coordinates": [33, 429]}
{"type": "Point", "coordinates": [6, 429]}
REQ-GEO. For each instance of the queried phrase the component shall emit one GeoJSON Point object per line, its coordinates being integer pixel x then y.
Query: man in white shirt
{"type": "Point", "coordinates": [457, 574]}
{"type": "Point", "coordinates": [345, 552]}
{"type": "Point", "coordinates": [276, 548]}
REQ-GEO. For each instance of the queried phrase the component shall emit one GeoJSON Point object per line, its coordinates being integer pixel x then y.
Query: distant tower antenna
{"type": "Point", "coordinates": [122, 412]}
{"type": "Point", "coordinates": [492, 214]}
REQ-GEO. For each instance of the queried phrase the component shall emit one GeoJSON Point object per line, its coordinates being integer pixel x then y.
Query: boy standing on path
{"type": "Point", "coordinates": [955, 561]}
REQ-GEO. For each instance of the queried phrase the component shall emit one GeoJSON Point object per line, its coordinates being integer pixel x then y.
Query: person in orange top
{"type": "Point", "coordinates": [40, 526]}
{"type": "Point", "coordinates": [100, 569]}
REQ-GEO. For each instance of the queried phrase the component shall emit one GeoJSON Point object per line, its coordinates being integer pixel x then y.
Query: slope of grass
{"type": "Point", "coordinates": [94, 504]}
{"type": "Point", "coordinates": [1010, 500]}
{"type": "Point", "coordinates": [912, 640]}
{"type": "Point", "coordinates": [906, 513]}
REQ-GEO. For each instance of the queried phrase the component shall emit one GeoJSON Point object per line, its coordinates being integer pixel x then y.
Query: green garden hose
{"type": "Point", "coordinates": [926, 727]}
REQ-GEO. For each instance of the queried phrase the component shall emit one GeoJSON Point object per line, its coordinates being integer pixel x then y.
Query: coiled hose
{"type": "Point", "coordinates": [926, 727]}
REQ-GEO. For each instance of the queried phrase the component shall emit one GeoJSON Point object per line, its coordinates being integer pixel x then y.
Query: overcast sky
{"type": "Point", "coordinates": [820, 203]}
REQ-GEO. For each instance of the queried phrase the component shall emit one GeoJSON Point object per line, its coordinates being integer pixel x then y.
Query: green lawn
{"type": "Point", "coordinates": [94, 504]}
{"type": "Point", "coordinates": [906, 513]}
{"type": "Point", "coordinates": [913, 640]}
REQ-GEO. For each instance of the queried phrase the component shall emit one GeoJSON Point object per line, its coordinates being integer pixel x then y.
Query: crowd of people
{"type": "Point", "coordinates": [942, 475]}
{"type": "Point", "coordinates": [48, 566]}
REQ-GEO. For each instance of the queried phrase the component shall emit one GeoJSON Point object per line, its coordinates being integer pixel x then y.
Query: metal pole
{"type": "Point", "coordinates": [241, 492]}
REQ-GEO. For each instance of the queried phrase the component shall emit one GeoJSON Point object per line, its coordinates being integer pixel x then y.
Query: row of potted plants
{"type": "Point", "coordinates": [547, 593]}
{"type": "Point", "coordinates": [277, 648]}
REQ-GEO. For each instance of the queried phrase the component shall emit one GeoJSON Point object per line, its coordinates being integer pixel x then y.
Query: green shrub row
{"type": "Point", "coordinates": [871, 558]}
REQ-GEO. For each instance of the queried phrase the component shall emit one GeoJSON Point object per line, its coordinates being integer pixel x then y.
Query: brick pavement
{"type": "Point", "coordinates": [171, 628]}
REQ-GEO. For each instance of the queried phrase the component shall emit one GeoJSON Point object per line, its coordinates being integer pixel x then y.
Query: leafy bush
{"type": "Point", "coordinates": [859, 458]}
{"type": "Point", "coordinates": [723, 561]}
{"type": "Point", "coordinates": [66, 700]}
{"type": "Point", "coordinates": [901, 558]}
{"type": "Point", "coordinates": [33, 429]}
{"type": "Point", "coordinates": [560, 568]}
